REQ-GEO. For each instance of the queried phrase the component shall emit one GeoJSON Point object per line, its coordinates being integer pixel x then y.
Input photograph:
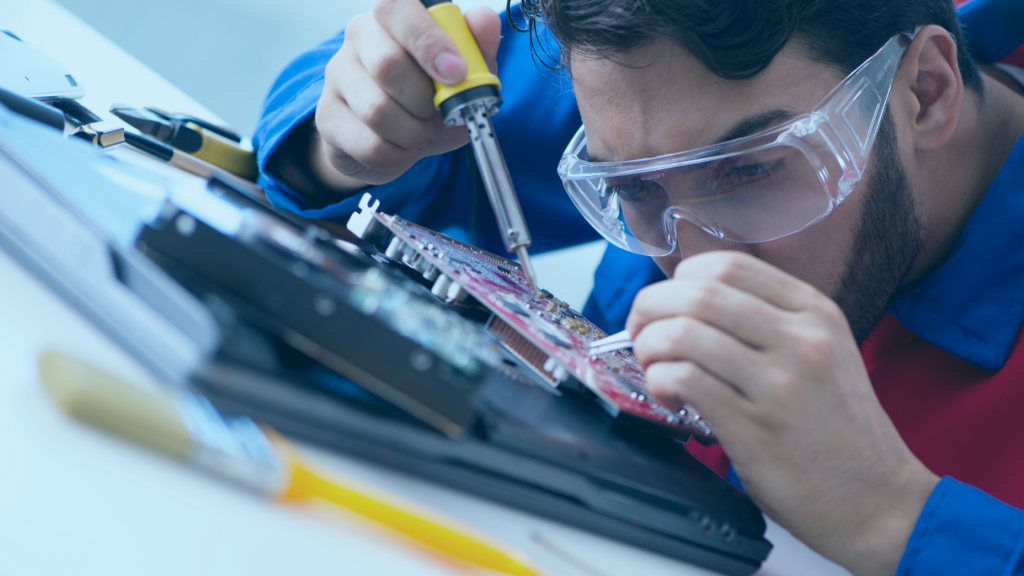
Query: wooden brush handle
{"type": "Point", "coordinates": [146, 416]}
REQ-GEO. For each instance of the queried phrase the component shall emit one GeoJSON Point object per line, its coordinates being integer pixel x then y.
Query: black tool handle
{"type": "Point", "coordinates": [32, 109]}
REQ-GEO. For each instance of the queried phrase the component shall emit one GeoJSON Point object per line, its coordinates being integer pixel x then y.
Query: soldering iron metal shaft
{"type": "Point", "coordinates": [498, 183]}
{"type": "Point", "coordinates": [471, 102]}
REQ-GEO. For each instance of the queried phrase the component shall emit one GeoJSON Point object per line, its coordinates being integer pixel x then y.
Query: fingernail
{"type": "Point", "coordinates": [449, 66]}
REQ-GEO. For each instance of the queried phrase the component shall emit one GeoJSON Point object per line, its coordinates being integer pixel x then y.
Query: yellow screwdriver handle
{"type": "Point", "coordinates": [449, 17]}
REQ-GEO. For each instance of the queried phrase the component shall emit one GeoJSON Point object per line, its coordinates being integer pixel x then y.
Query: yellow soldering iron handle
{"type": "Point", "coordinates": [449, 17]}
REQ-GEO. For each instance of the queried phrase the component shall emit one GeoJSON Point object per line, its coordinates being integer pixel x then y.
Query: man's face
{"type": "Point", "coordinates": [660, 100]}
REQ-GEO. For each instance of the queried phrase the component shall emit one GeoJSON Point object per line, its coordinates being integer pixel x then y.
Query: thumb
{"type": "Point", "coordinates": [486, 28]}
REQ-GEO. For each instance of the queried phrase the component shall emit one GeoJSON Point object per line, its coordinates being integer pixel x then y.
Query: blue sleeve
{"type": "Point", "coordinates": [962, 530]}
{"type": "Point", "coordinates": [536, 122]}
{"type": "Point", "coordinates": [994, 28]}
{"type": "Point", "coordinates": [618, 278]}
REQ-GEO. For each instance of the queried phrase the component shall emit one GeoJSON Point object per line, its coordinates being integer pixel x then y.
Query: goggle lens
{"type": "Point", "coordinates": [752, 197]}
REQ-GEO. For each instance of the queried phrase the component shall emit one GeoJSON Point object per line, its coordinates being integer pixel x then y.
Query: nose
{"type": "Point", "coordinates": [694, 235]}
{"type": "Point", "coordinates": [692, 239]}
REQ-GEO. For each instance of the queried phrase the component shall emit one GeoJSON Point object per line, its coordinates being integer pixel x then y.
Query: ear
{"type": "Point", "coordinates": [931, 88]}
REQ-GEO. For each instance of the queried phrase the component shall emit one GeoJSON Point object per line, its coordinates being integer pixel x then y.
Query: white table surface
{"type": "Point", "coordinates": [74, 500]}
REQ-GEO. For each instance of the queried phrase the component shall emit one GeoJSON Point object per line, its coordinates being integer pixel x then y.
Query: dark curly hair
{"type": "Point", "coordinates": [737, 39]}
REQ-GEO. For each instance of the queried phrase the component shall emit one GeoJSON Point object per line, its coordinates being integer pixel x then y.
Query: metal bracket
{"type": "Point", "coordinates": [360, 222]}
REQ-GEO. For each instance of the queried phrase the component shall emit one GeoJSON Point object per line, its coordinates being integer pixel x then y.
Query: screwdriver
{"type": "Point", "coordinates": [472, 103]}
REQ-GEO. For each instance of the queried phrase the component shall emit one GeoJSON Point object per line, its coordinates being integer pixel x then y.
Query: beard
{"type": "Point", "coordinates": [886, 242]}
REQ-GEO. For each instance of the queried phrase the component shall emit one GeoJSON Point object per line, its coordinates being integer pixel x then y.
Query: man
{"type": "Point", "coordinates": [790, 201]}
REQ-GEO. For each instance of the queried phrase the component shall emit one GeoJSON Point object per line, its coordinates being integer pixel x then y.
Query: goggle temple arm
{"type": "Point", "coordinates": [849, 117]}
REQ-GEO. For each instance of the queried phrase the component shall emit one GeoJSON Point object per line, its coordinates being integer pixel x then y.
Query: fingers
{"type": "Point", "coordinates": [409, 23]}
{"type": "Point", "coordinates": [682, 338]}
{"type": "Point", "coordinates": [731, 310]}
{"type": "Point", "coordinates": [674, 384]}
{"type": "Point", "coordinates": [486, 28]}
{"type": "Point", "coordinates": [392, 69]}
{"type": "Point", "coordinates": [381, 113]}
{"type": "Point", "coordinates": [751, 275]}
{"type": "Point", "coordinates": [355, 150]}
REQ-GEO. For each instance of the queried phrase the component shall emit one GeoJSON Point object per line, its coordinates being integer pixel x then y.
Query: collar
{"type": "Point", "coordinates": [973, 304]}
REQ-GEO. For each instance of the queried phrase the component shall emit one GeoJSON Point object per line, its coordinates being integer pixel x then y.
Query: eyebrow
{"type": "Point", "coordinates": [745, 127]}
{"type": "Point", "coordinates": [755, 124]}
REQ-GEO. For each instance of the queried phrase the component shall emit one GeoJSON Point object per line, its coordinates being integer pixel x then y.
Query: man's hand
{"type": "Point", "coordinates": [771, 363]}
{"type": "Point", "coordinates": [376, 116]}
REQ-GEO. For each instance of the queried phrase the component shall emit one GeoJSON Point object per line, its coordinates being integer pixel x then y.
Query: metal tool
{"type": "Point", "coordinates": [205, 141]}
{"type": "Point", "coordinates": [223, 131]}
{"type": "Point", "coordinates": [103, 134]}
{"type": "Point", "coordinates": [471, 103]}
{"type": "Point", "coordinates": [616, 341]}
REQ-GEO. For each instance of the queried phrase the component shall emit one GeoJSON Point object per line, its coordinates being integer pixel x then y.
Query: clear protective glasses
{"type": "Point", "coordinates": [753, 189]}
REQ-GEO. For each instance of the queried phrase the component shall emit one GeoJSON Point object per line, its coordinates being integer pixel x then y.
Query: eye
{"type": "Point", "coordinates": [635, 188]}
{"type": "Point", "coordinates": [750, 173]}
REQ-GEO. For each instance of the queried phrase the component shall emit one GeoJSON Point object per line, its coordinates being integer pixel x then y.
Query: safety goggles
{"type": "Point", "coordinates": [753, 189]}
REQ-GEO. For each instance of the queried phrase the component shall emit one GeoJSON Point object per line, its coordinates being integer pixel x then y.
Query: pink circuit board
{"type": "Point", "coordinates": [556, 337]}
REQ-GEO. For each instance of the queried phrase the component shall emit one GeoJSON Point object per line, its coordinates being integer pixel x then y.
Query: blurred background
{"type": "Point", "coordinates": [223, 53]}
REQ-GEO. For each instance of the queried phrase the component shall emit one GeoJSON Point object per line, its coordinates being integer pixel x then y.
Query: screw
{"type": "Point", "coordinates": [185, 224]}
{"type": "Point", "coordinates": [420, 359]}
{"type": "Point", "coordinates": [324, 305]}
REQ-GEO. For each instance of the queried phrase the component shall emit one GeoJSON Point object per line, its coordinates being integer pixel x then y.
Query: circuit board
{"type": "Point", "coordinates": [542, 330]}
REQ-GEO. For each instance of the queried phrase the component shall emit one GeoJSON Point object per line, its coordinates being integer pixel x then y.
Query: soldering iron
{"type": "Point", "coordinates": [471, 103]}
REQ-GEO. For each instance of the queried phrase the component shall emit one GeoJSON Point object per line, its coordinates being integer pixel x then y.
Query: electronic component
{"type": "Point", "coordinates": [380, 330]}
{"type": "Point", "coordinates": [542, 330]}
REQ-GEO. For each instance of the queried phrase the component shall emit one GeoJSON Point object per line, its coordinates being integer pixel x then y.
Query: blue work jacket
{"type": "Point", "coordinates": [961, 530]}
